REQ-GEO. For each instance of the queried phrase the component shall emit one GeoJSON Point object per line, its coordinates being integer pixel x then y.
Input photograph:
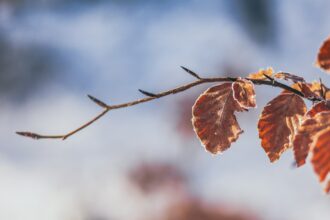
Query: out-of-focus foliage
{"type": "Point", "coordinates": [160, 178]}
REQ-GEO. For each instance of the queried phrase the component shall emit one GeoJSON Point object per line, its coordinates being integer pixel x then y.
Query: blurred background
{"type": "Point", "coordinates": [145, 162]}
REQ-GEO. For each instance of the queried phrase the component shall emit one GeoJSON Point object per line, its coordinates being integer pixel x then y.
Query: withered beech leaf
{"type": "Point", "coordinates": [213, 118]}
{"type": "Point", "coordinates": [320, 89]}
{"type": "Point", "coordinates": [321, 154]}
{"type": "Point", "coordinates": [289, 76]}
{"type": "Point", "coordinates": [309, 90]}
{"type": "Point", "coordinates": [327, 95]}
{"type": "Point", "coordinates": [244, 93]}
{"type": "Point", "coordinates": [323, 57]}
{"type": "Point", "coordinates": [278, 123]}
{"type": "Point", "coordinates": [307, 132]}
{"type": "Point", "coordinates": [319, 107]}
{"type": "Point", "coordinates": [325, 91]}
{"type": "Point", "coordinates": [315, 87]}
{"type": "Point", "coordinates": [261, 73]}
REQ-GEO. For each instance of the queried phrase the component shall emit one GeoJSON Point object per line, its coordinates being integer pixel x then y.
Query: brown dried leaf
{"type": "Point", "coordinates": [278, 123]}
{"type": "Point", "coordinates": [319, 107]}
{"type": "Point", "coordinates": [321, 89]}
{"type": "Point", "coordinates": [293, 124]}
{"type": "Point", "coordinates": [289, 76]}
{"type": "Point", "coordinates": [327, 95]}
{"type": "Point", "coordinates": [321, 154]}
{"type": "Point", "coordinates": [315, 86]}
{"type": "Point", "coordinates": [307, 132]}
{"type": "Point", "coordinates": [324, 91]}
{"type": "Point", "coordinates": [309, 90]}
{"type": "Point", "coordinates": [304, 88]}
{"type": "Point", "coordinates": [261, 73]}
{"type": "Point", "coordinates": [244, 93]}
{"type": "Point", "coordinates": [213, 118]}
{"type": "Point", "coordinates": [323, 57]}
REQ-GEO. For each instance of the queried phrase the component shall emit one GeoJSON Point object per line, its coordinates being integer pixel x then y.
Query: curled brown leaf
{"type": "Point", "coordinates": [321, 154]}
{"type": "Point", "coordinates": [307, 132]}
{"type": "Point", "coordinates": [213, 118]}
{"type": "Point", "coordinates": [244, 93]}
{"type": "Point", "coordinates": [278, 123]}
{"type": "Point", "coordinates": [323, 57]}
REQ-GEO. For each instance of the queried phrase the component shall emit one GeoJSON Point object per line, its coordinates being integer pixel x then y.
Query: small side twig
{"type": "Point", "coordinates": [97, 101]}
{"type": "Point", "coordinates": [152, 96]}
{"type": "Point", "coordinates": [191, 72]}
{"type": "Point", "coordinates": [147, 93]}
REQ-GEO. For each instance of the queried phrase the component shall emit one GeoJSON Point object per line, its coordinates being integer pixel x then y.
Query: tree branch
{"type": "Point", "coordinates": [151, 96]}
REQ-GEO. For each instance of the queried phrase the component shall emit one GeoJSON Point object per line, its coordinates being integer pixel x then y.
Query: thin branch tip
{"type": "Point", "coordinates": [153, 95]}
{"type": "Point", "coordinates": [97, 101]}
{"type": "Point", "coordinates": [191, 72]}
{"type": "Point", "coordinates": [28, 134]}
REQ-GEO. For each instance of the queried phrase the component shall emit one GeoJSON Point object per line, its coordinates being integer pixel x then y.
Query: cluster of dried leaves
{"type": "Point", "coordinates": [284, 123]}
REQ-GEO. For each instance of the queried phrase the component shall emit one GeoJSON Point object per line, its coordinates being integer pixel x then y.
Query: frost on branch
{"type": "Point", "coordinates": [213, 114]}
{"type": "Point", "coordinates": [307, 132]}
{"type": "Point", "coordinates": [279, 122]}
{"type": "Point", "coordinates": [321, 156]}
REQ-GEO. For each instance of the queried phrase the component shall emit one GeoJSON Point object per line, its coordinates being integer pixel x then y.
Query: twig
{"type": "Point", "coordinates": [151, 96]}
{"type": "Point", "coordinates": [97, 101]}
{"type": "Point", "coordinates": [147, 93]}
{"type": "Point", "coordinates": [191, 72]}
